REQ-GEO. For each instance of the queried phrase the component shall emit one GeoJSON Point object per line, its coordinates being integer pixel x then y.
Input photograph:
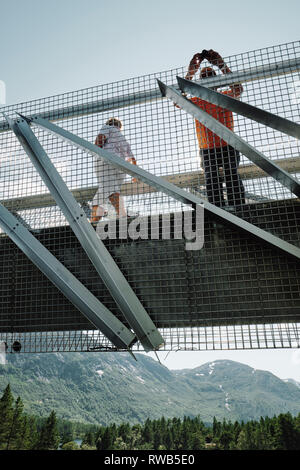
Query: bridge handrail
{"type": "Point", "coordinates": [188, 179]}
{"type": "Point", "coordinates": [117, 102]}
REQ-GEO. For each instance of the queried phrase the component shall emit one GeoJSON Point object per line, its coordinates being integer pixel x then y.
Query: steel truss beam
{"type": "Point", "coordinates": [252, 112]}
{"type": "Point", "coordinates": [63, 279]}
{"type": "Point", "coordinates": [234, 140]}
{"type": "Point", "coordinates": [106, 267]}
{"type": "Point", "coordinates": [170, 189]}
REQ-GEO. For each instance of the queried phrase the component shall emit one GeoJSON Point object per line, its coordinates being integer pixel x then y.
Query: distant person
{"type": "Point", "coordinates": [110, 178]}
{"type": "Point", "coordinates": [215, 152]}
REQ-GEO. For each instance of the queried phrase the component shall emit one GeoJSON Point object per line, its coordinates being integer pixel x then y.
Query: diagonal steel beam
{"type": "Point", "coordinates": [105, 265]}
{"type": "Point", "coordinates": [170, 189]}
{"type": "Point", "coordinates": [252, 112]}
{"type": "Point", "coordinates": [64, 280]}
{"type": "Point", "coordinates": [234, 140]}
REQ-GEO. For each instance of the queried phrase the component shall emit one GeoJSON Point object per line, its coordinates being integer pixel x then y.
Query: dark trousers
{"type": "Point", "coordinates": [228, 158]}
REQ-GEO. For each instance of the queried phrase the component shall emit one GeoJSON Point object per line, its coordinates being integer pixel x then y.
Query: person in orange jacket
{"type": "Point", "coordinates": [215, 153]}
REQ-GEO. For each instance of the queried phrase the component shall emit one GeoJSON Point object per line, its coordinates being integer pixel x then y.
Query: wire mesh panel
{"type": "Point", "coordinates": [223, 290]}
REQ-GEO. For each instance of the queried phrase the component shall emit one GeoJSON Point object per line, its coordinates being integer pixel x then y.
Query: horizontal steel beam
{"type": "Point", "coordinates": [184, 180]}
{"type": "Point", "coordinates": [252, 112]}
{"type": "Point", "coordinates": [170, 189]}
{"type": "Point", "coordinates": [105, 265]}
{"type": "Point", "coordinates": [291, 183]}
{"type": "Point", "coordinates": [63, 279]}
{"type": "Point", "coordinates": [118, 102]}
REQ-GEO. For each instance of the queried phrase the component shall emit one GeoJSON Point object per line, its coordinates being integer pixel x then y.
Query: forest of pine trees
{"type": "Point", "coordinates": [21, 432]}
{"type": "Point", "coordinates": [277, 433]}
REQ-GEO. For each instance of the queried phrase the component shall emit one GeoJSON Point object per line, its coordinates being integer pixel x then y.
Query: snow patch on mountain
{"type": "Point", "coordinates": [140, 379]}
{"type": "Point", "coordinates": [227, 398]}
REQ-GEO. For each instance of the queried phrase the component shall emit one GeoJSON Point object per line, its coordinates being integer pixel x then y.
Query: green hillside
{"type": "Point", "coordinates": [101, 388]}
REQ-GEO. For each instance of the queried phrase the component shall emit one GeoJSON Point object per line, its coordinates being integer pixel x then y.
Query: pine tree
{"type": "Point", "coordinates": [15, 432]}
{"type": "Point", "coordinates": [124, 431]}
{"type": "Point", "coordinates": [246, 439]}
{"type": "Point", "coordinates": [135, 437]}
{"type": "Point", "coordinates": [242, 442]}
{"type": "Point", "coordinates": [6, 416]}
{"type": "Point", "coordinates": [49, 435]}
{"type": "Point", "coordinates": [67, 434]}
{"type": "Point", "coordinates": [216, 427]}
{"type": "Point", "coordinates": [225, 439]}
{"type": "Point", "coordinates": [169, 441]}
{"type": "Point", "coordinates": [196, 441]}
{"type": "Point", "coordinates": [107, 440]}
{"type": "Point", "coordinates": [176, 424]}
{"type": "Point", "coordinates": [184, 435]}
{"type": "Point", "coordinates": [23, 442]}
{"type": "Point", "coordinates": [297, 430]}
{"type": "Point", "coordinates": [286, 435]}
{"type": "Point", "coordinates": [236, 432]}
{"type": "Point", "coordinates": [33, 436]}
{"type": "Point", "coordinates": [262, 439]}
{"type": "Point", "coordinates": [89, 439]}
{"type": "Point", "coordinates": [98, 437]}
{"type": "Point", "coordinates": [147, 432]}
{"type": "Point", "coordinates": [157, 440]}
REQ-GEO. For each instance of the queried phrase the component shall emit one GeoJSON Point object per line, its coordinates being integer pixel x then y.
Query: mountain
{"type": "Point", "coordinates": [292, 381]}
{"type": "Point", "coordinates": [101, 388]}
{"type": "Point", "coordinates": [244, 392]}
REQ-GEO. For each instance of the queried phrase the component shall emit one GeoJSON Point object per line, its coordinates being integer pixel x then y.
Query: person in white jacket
{"type": "Point", "coordinates": [109, 178]}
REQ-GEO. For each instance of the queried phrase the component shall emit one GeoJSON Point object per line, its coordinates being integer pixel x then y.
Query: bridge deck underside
{"type": "Point", "coordinates": [232, 280]}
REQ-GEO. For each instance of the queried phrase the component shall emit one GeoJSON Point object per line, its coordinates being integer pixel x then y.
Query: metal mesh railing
{"type": "Point", "coordinates": [263, 336]}
{"type": "Point", "coordinates": [254, 284]}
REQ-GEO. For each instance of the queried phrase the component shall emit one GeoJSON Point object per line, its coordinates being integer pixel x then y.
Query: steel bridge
{"type": "Point", "coordinates": [141, 281]}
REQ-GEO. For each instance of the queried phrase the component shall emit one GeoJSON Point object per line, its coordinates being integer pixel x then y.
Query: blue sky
{"type": "Point", "coordinates": [51, 47]}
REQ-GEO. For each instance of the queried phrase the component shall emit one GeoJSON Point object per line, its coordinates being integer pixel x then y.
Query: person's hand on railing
{"type": "Point", "coordinates": [133, 161]}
